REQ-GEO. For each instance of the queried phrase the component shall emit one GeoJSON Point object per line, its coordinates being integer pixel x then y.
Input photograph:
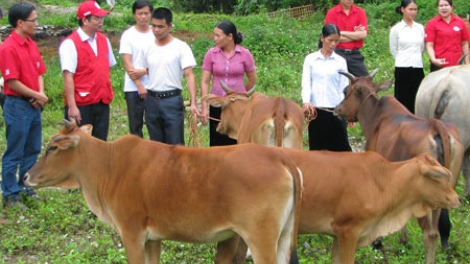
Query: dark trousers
{"type": "Point", "coordinates": [434, 68]}
{"type": "Point", "coordinates": [328, 132]}
{"type": "Point", "coordinates": [217, 139]}
{"type": "Point", "coordinates": [96, 115]}
{"type": "Point", "coordinates": [407, 81]}
{"type": "Point", "coordinates": [355, 62]}
{"type": "Point", "coordinates": [164, 118]}
{"type": "Point", "coordinates": [135, 113]}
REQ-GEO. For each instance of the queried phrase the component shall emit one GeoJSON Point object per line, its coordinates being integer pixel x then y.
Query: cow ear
{"type": "Point", "coordinates": [87, 129]}
{"type": "Point", "coordinates": [382, 86]}
{"type": "Point", "coordinates": [431, 168]}
{"type": "Point", "coordinates": [215, 101]}
{"type": "Point", "coordinates": [65, 142]}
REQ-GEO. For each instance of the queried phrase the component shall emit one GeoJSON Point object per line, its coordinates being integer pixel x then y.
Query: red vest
{"type": "Point", "coordinates": [91, 79]}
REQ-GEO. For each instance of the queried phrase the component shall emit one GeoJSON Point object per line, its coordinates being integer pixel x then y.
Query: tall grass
{"type": "Point", "coordinates": [62, 230]}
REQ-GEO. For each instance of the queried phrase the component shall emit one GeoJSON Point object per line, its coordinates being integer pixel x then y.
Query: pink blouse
{"type": "Point", "coordinates": [230, 70]}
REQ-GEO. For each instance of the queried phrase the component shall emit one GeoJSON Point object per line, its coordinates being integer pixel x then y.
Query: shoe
{"type": "Point", "coordinates": [14, 202]}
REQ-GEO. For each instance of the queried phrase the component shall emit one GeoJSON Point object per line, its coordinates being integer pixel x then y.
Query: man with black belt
{"type": "Point", "coordinates": [352, 21]}
{"type": "Point", "coordinates": [167, 60]}
{"type": "Point", "coordinates": [22, 67]}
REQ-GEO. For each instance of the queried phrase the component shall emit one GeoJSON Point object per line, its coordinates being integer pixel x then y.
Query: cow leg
{"type": "Point", "coordinates": [404, 236]}
{"type": "Point", "coordinates": [263, 247]}
{"type": "Point", "coordinates": [335, 257]}
{"type": "Point", "coordinates": [134, 249]}
{"type": "Point", "coordinates": [241, 255]}
{"type": "Point", "coordinates": [429, 224]}
{"type": "Point", "coordinates": [153, 249]}
{"type": "Point", "coordinates": [226, 250]}
{"type": "Point", "coordinates": [466, 173]}
{"type": "Point", "coordinates": [347, 243]}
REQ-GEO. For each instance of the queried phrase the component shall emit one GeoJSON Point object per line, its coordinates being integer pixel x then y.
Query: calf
{"type": "Point", "coordinates": [397, 134]}
{"type": "Point", "coordinates": [149, 191]}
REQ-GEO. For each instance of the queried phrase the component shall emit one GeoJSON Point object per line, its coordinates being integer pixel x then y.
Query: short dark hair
{"type": "Point", "coordinates": [228, 27]}
{"type": "Point", "coordinates": [141, 4]}
{"type": "Point", "coordinates": [163, 13]}
{"type": "Point", "coordinates": [19, 11]}
{"type": "Point", "coordinates": [448, 1]}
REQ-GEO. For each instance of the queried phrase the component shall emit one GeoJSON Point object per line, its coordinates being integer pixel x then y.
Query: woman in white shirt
{"type": "Point", "coordinates": [407, 47]}
{"type": "Point", "coordinates": [322, 90]}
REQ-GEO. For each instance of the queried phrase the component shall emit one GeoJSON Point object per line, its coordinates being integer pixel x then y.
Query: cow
{"type": "Point", "coordinates": [149, 191]}
{"type": "Point", "coordinates": [257, 118]}
{"type": "Point", "coordinates": [357, 197]}
{"type": "Point", "coordinates": [397, 134]}
{"type": "Point", "coordinates": [445, 95]}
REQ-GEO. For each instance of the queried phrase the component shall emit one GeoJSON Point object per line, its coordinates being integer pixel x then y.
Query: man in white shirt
{"type": "Point", "coordinates": [86, 56]}
{"type": "Point", "coordinates": [167, 60]}
{"type": "Point", "coordinates": [134, 42]}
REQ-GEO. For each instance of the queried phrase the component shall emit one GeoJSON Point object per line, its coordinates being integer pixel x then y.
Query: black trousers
{"type": "Point", "coordinates": [96, 115]}
{"type": "Point", "coordinates": [355, 62]}
{"type": "Point", "coordinates": [407, 81]}
{"type": "Point", "coordinates": [328, 132]}
{"type": "Point", "coordinates": [135, 113]}
{"type": "Point", "coordinates": [217, 139]}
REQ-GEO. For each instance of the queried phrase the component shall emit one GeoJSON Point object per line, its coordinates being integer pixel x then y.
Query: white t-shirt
{"type": "Point", "coordinates": [135, 43]}
{"type": "Point", "coordinates": [166, 64]}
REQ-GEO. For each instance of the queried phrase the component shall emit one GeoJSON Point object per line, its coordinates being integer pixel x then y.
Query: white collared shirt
{"type": "Point", "coordinates": [68, 52]}
{"type": "Point", "coordinates": [322, 85]}
{"type": "Point", "coordinates": [407, 44]}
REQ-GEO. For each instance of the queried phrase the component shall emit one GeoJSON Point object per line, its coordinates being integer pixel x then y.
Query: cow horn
{"type": "Point", "coordinates": [349, 75]}
{"type": "Point", "coordinates": [225, 87]}
{"type": "Point", "coordinates": [373, 73]}
{"type": "Point", "coordinates": [67, 124]}
{"type": "Point", "coordinates": [251, 91]}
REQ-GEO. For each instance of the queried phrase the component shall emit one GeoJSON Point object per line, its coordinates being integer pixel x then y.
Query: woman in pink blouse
{"type": "Point", "coordinates": [227, 62]}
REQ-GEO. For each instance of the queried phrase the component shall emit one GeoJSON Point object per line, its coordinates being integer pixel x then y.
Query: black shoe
{"type": "Point", "coordinates": [14, 202]}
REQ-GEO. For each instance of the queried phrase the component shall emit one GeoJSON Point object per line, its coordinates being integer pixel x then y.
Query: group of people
{"type": "Point", "coordinates": [155, 63]}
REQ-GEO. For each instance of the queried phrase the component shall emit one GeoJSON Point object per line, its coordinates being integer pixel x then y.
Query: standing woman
{"type": "Point", "coordinates": [446, 37]}
{"type": "Point", "coordinates": [407, 47]}
{"type": "Point", "coordinates": [322, 90]}
{"type": "Point", "coordinates": [227, 62]}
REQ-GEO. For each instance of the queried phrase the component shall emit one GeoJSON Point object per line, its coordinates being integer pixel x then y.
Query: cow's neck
{"type": "Point", "coordinates": [368, 115]}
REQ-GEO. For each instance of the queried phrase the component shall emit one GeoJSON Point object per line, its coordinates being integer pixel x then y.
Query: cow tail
{"type": "Point", "coordinates": [279, 121]}
{"type": "Point", "coordinates": [297, 179]}
{"type": "Point", "coordinates": [439, 100]}
{"type": "Point", "coordinates": [445, 137]}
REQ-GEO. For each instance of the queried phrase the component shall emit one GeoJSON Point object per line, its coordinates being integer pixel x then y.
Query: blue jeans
{"type": "Point", "coordinates": [23, 134]}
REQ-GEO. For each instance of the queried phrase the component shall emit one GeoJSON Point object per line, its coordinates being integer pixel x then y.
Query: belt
{"type": "Point", "coordinates": [19, 97]}
{"type": "Point", "coordinates": [165, 94]}
{"type": "Point", "coordinates": [348, 51]}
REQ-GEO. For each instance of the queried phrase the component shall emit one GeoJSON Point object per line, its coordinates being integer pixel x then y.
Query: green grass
{"type": "Point", "coordinates": [61, 229]}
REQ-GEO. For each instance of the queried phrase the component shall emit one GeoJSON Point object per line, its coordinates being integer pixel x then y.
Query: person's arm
{"type": "Point", "coordinates": [465, 50]}
{"type": "Point", "coordinates": [393, 42]}
{"type": "Point", "coordinates": [252, 78]}
{"type": "Point", "coordinates": [38, 99]}
{"type": "Point", "coordinates": [205, 82]}
{"type": "Point", "coordinates": [69, 89]}
{"type": "Point", "coordinates": [306, 89]}
{"type": "Point", "coordinates": [359, 33]}
{"type": "Point", "coordinates": [191, 83]}
{"type": "Point", "coordinates": [134, 74]}
{"type": "Point", "coordinates": [432, 55]}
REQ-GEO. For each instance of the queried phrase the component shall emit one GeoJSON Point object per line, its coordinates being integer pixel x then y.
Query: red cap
{"type": "Point", "coordinates": [90, 8]}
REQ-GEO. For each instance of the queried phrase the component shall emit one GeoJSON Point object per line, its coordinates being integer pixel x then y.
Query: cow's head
{"type": "Point", "coordinates": [359, 90]}
{"type": "Point", "coordinates": [233, 107]}
{"type": "Point", "coordinates": [56, 166]}
{"type": "Point", "coordinates": [434, 184]}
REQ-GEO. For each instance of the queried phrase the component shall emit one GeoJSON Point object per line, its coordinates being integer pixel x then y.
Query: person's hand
{"type": "Point", "coordinates": [39, 101]}
{"type": "Point", "coordinates": [204, 116]}
{"type": "Point", "coordinates": [351, 124]}
{"type": "Point", "coordinates": [142, 92]}
{"type": "Point", "coordinates": [137, 73]}
{"type": "Point", "coordinates": [439, 62]}
{"type": "Point", "coordinates": [359, 28]}
{"type": "Point", "coordinates": [309, 110]}
{"type": "Point", "coordinates": [74, 113]}
{"type": "Point", "coordinates": [194, 110]}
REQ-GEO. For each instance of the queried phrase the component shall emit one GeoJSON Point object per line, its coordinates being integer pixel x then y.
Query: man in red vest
{"type": "Point", "coordinates": [86, 57]}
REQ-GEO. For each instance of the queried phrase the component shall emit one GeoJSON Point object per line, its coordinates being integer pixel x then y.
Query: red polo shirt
{"type": "Point", "coordinates": [357, 17]}
{"type": "Point", "coordinates": [447, 38]}
{"type": "Point", "coordinates": [21, 60]}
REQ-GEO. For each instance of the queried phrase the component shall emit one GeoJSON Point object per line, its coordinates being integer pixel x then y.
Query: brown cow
{"type": "Point", "coordinates": [271, 121]}
{"type": "Point", "coordinates": [397, 134]}
{"type": "Point", "coordinates": [357, 197]}
{"type": "Point", "coordinates": [149, 191]}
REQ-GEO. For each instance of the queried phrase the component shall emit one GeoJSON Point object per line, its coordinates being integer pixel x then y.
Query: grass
{"type": "Point", "coordinates": [61, 229]}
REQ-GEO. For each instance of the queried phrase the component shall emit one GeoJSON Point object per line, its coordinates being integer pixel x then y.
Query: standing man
{"type": "Point", "coordinates": [86, 56]}
{"type": "Point", "coordinates": [134, 41]}
{"type": "Point", "coordinates": [22, 67]}
{"type": "Point", "coordinates": [167, 60]}
{"type": "Point", "coordinates": [352, 21]}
